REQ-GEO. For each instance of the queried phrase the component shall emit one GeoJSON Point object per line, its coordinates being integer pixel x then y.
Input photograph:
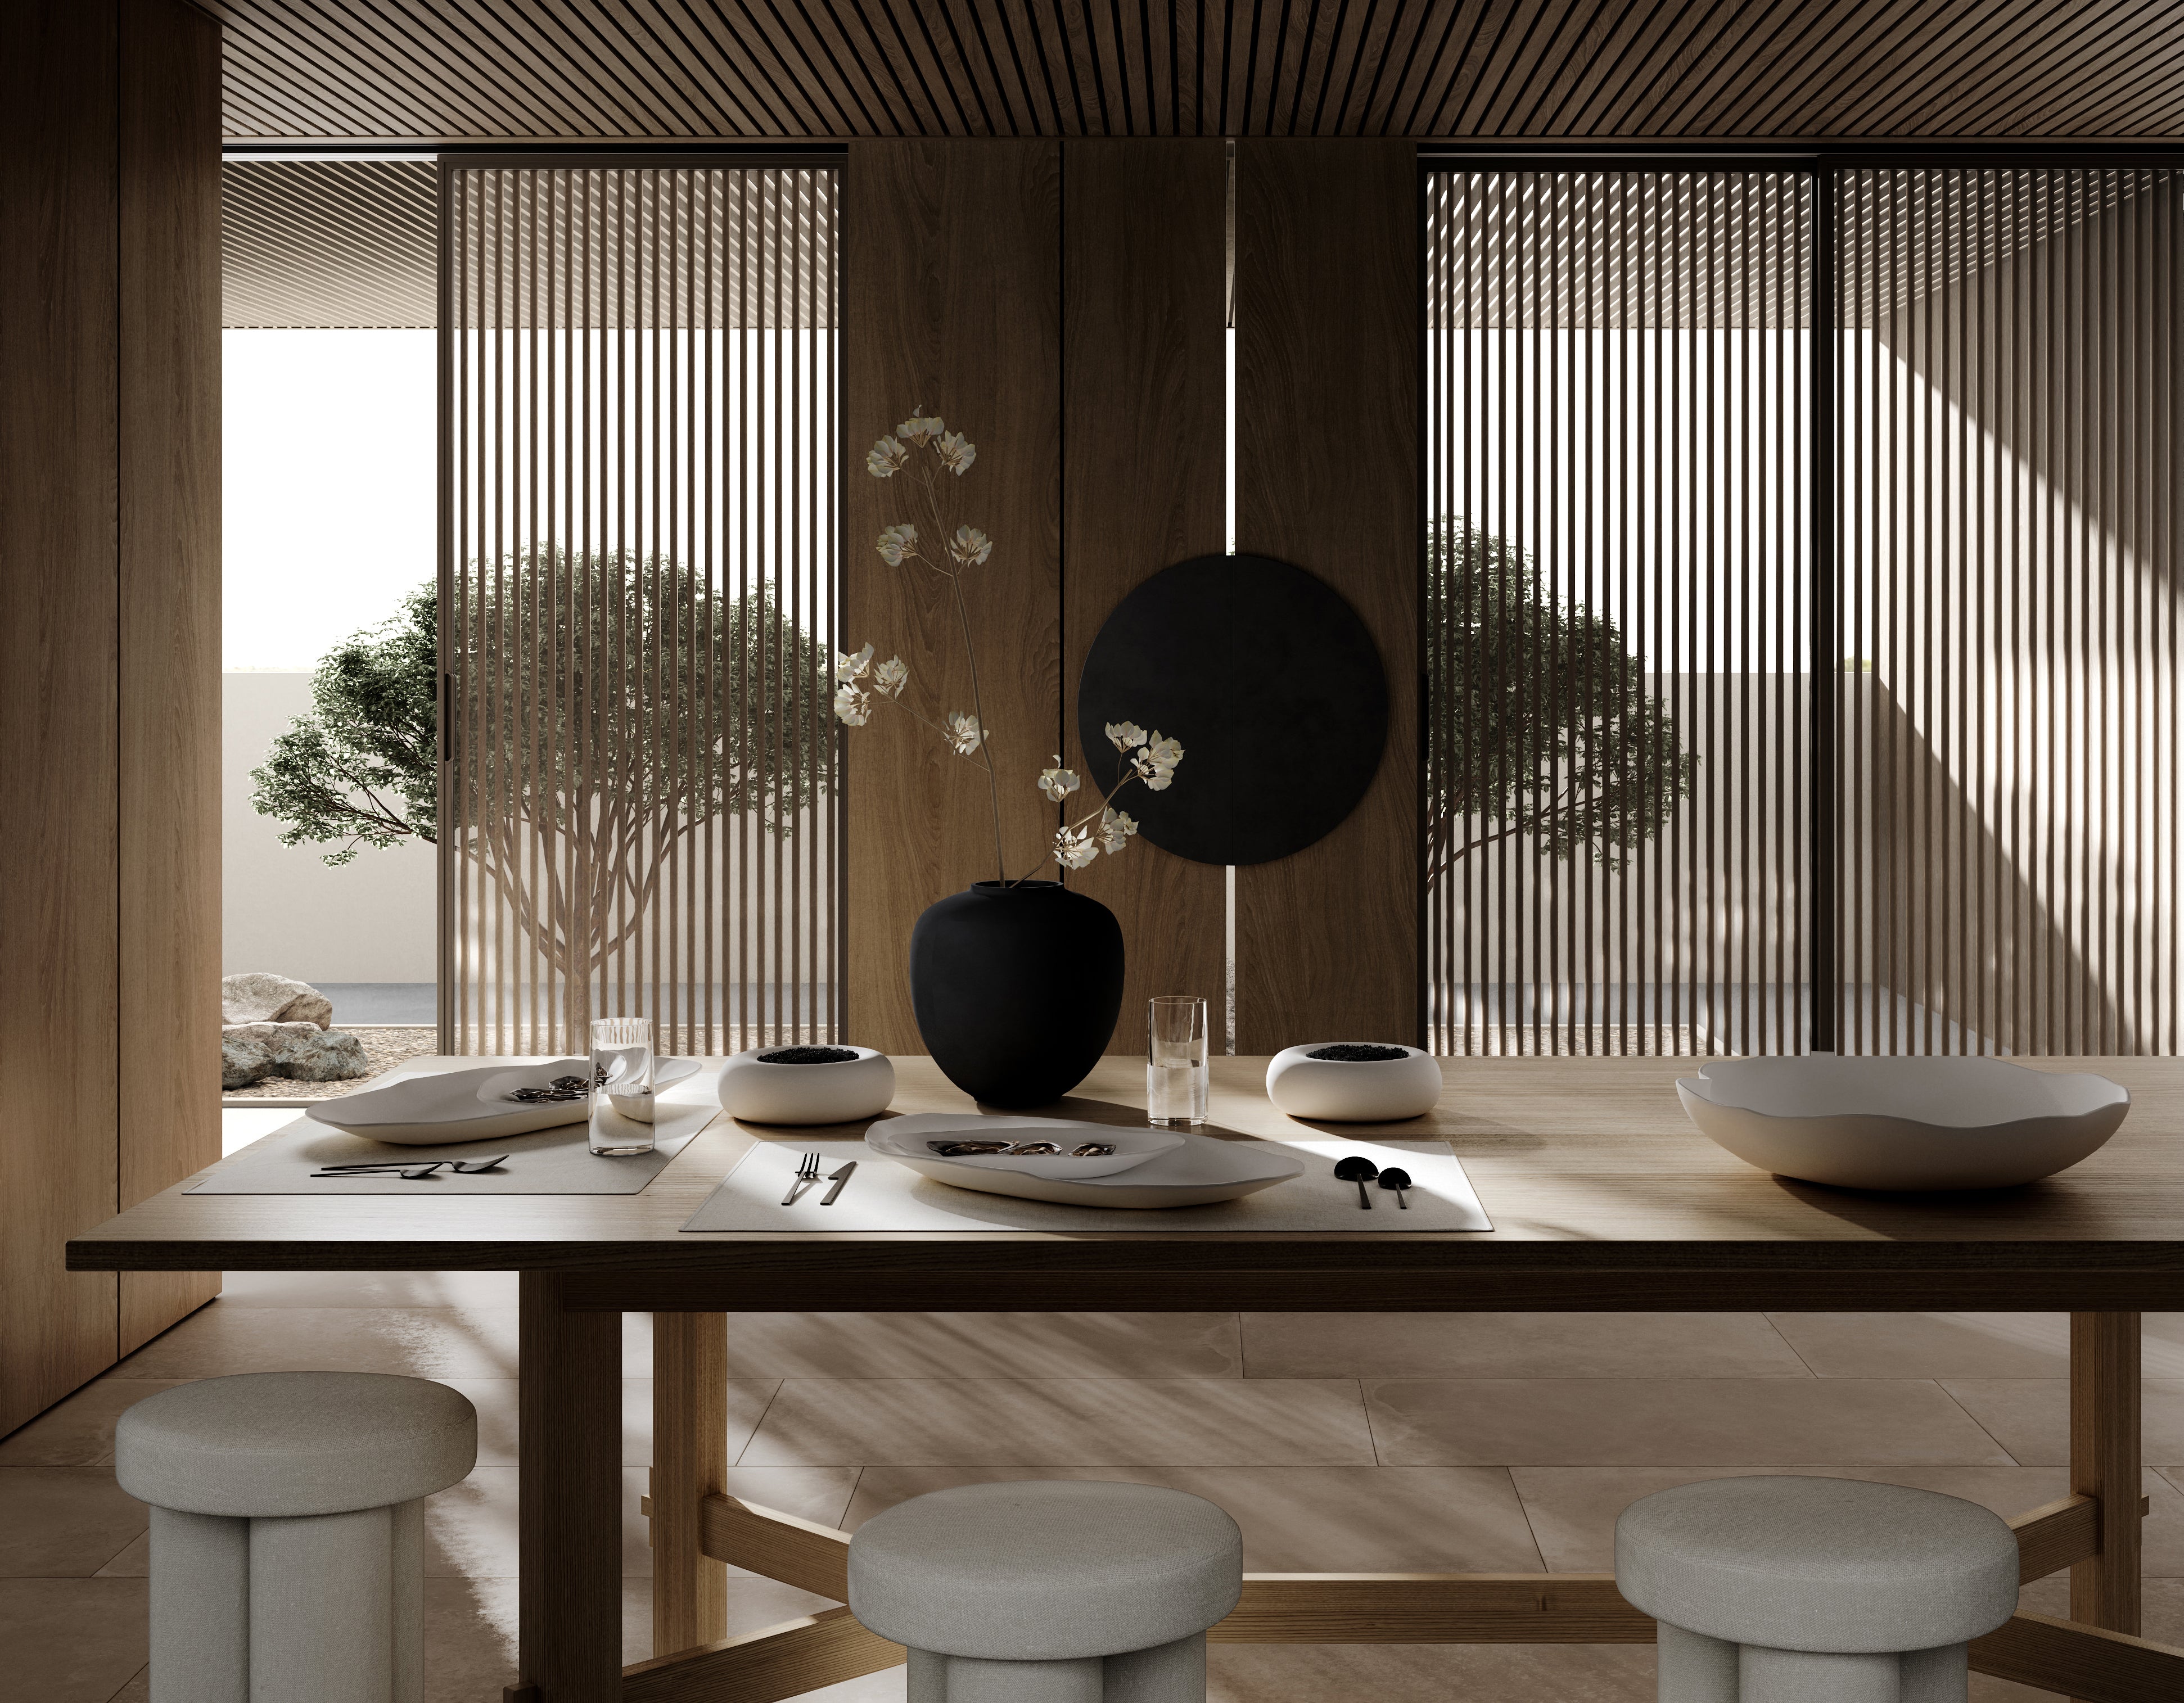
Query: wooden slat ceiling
{"type": "Point", "coordinates": [529, 70]}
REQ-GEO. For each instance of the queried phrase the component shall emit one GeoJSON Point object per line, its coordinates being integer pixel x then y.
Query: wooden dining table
{"type": "Point", "coordinates": [1603, 1198]}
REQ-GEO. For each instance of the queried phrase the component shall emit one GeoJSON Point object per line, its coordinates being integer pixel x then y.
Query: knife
{"type": "Point", "coordinates": [838, 1178]}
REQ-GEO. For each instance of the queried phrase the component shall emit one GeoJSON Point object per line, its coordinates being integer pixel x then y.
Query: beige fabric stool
{"type": "Point", "coordinates": [1814, 1590]}
{"type": "Point", "coordinates": [287, 1531]}
{"type": "Point", "coordinates": [1043, 1592]}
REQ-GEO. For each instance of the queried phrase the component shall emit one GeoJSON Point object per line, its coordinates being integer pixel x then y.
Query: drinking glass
{"type": "Point", "coordinates": [622, 1077]}
{"type": "Point", "coordinates": [1175, 1061]}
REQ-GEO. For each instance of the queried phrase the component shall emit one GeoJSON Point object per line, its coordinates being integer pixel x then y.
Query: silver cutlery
{"type": "Point", "coordinates": [838, 1178]}
{"type": "Point", "coordinates": [807, 1171]}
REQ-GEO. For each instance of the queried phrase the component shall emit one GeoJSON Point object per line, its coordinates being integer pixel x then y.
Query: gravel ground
{"type": "Point", "coordinates": [384, 1047]}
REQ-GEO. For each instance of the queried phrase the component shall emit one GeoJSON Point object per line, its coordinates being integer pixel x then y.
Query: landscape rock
{"type": "Point", "coordinates": [319, 1057]}
{"type": "Point", "coordinates": [272, 1036]}
{"type": "Point", "coordinates": [255, 996]}
{"type": "Point", "coordinates": [242, 1060]}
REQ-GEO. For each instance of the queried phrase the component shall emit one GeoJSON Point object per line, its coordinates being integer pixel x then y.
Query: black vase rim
{"type": "Point", "coordinates": [992, 888]}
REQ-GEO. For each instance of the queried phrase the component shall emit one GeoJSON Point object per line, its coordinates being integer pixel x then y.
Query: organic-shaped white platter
{"type": "Point", "coordinates": [1193, 1170]}
{"type": "Point", "coordinates": [910, 1137]}
{"type": "Point", "coordinates": [470, 1106]}
{"type": "Point", "coordinates": [1902, 1123]}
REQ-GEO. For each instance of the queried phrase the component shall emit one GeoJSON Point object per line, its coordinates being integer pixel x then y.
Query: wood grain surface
{"type": "Point", "coordinates": [1327, 477]}
{"type": "Point", "coordinates": [1602, 1195]}
{"type": "Point", "coordinates": [1143, 362]}
{"type": "Point", "coordinates": [169, 682]}
{"type": "Point", "coordinates": [951, 300]}
{"type": "Point", "coordinates": [58, 926]}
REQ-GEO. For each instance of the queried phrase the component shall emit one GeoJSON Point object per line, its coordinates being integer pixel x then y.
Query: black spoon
{"type": "Point", "coordinates": [1396, 1177]}
{"type": "Point", "coordinates": [1361, 1171]}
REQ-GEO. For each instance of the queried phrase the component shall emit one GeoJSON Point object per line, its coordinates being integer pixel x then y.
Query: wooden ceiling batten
{"type": "Point", "coordinates": [530, 71]}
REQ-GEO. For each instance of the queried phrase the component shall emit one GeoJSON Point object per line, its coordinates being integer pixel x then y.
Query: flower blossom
{"type": "Point", "coordinates": [969, 546]}
{"type": "Point", "coordinates": [965, 734]}
{"type": "Point", "coordinates": [852, 667]}
{"type": "Point", "coordinates": [890, 677]}
{"type": "Point", "coordinates": [920, 428]}
{"type": "Point", "coordinates": [1074, 848]}
{"type": "Point", "coordinates": [1154, 765]}
{"type": "Point", "coordinates": [884, 459]}
{"type": "Point", "coordinates": [1125, 734]}
{"type": "Point", "coordinates": [957, 451]}
{"type": "Point", "coordinates": [896, 542]}
{"type": "Point", "coordinates": [1058, 782]}
{"type": "Point", "coordinates": [852, 706]}
{"type": "Point", "coordinates": [1116, 828]}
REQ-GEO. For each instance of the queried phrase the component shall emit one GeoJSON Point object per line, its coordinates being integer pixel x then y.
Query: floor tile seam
{"type": "Point", "coordinates": [141, 1674]}
{"type": "Point", "coordinates": [1942, 1385]}
{"type": "Point", "coordinates": [758, 1425]}
{"type": "Point", "coordinates": [2173, 1476]}
{"type": "Point", "coordinates": [1372, 1435]}
{"type": "Point", "coordinates": [1811, 1370]}
{"type": "Point", "coordinates": [1524, 1508]}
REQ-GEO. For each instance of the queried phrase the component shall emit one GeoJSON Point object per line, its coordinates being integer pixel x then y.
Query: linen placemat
{"type": "Point", "coordinates": [546, 1162]}
{"type": "Point", "coordinates": [883, 1195]}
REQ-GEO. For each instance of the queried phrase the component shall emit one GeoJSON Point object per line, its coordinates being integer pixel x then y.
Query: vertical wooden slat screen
{"type": "Point", "coordinates": [1619, 573]}
{"type": "Point", "coordinates": [639, 813]}
{"type": "Point", "coordinates": [2008, 398]}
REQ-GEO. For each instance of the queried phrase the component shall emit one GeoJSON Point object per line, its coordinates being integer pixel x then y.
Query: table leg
{"type": "Point", "coordinates": [569, 1496]}
{"type": "Point", "coordinates": [690, 1461]}
{"type": "Point", "coordinates": [2105, 1464]}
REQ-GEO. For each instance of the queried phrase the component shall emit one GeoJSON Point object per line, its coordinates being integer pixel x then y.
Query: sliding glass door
{"type": "Point", "coordinates": [1801, 604]}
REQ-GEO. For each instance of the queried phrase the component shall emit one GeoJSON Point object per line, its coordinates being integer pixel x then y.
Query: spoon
{"type": "Point", "coordinates": [1361, 1171]}
{"type": "Point", "coordinates": [1396, 1177]}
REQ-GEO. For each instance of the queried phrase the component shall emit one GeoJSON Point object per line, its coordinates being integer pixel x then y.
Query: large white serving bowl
{"type": "Point", "coordinates": [1354, 1090]}
{"type": "Point", "coordinates": [470, 1106]}
{"type": "Point", "coordinates": [841, 1091]}
{"type": "Point", "coordinates": [1902, 1123]}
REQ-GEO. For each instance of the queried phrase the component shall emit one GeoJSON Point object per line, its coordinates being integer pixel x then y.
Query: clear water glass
{"type": "Point", "coordinates": [622, 1077]}
{"type": "Point", "coordinates": [1175, 1061]}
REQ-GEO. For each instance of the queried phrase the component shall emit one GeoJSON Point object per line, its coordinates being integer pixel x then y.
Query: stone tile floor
{"type": "Point", "coordinates": [1482, 1443]}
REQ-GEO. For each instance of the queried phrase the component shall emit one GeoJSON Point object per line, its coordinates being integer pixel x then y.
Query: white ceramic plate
{"type": "Point", "coordinates": [907, 1138]}
{"type": "Point", "coordinates": [1902, 1123]}
{"type": "Point", "coordinates": [1196, 1171]}
{"type": "Point", "coordinates": [470, 1105]}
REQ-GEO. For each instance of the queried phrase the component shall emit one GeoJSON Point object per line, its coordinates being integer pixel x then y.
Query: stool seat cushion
{"type": "Point", "coordinates": [1046, 1571]}
{"type": "Point", "coordinates": [272, 1444]}
{"type": "Point", "coordinates": [1826, 1565]}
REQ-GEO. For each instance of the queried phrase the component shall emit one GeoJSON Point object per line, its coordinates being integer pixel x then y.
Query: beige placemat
{"type": "Point", "coordinates": [546, 1162]}
{"type": "Point", "coordinates": [882, 1195]}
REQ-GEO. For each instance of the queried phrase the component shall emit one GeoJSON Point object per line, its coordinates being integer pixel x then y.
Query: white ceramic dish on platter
{"type": "Point", "coordinates": [908, 1138]}
{"type": "Point", "coordinates": [1191, 1170]}
{"type": "Point", "coordinates": [443, 1106]}
{"type": "Point", "coordinates": [1902, 1123]}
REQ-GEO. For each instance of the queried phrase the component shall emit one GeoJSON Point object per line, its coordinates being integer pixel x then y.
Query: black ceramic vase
{"type": "Point", "coordinates": [1016, 989]}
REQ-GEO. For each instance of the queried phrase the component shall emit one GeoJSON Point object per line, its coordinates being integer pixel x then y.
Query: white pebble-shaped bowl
{"type": "Point", "coordinates": [839, 1093]}
{"type": "Point", "coordinates": [1353, 1091]}
{"type": "Point", "coordinates": [1902, 1123]}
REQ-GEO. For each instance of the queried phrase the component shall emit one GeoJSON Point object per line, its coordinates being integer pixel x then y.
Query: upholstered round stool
{"type": "Point", "coordinates": [287, 1531]}
{"type": "Point", "coordinates": [1814, 1590]}
{"type": "Point", "coordinates": [1049, 1592]}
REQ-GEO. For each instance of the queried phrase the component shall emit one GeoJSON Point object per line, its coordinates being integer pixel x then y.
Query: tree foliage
{"type": "Point", "coordinates": [609, 704]}
{"type": "Point", "coordinates": [362, 768]}
{"type": "Point", "coordinates": [1543, 726]}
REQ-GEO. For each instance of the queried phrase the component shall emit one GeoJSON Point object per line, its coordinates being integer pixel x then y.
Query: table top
{"type": "Point", "coordinates": [1603, 1197]}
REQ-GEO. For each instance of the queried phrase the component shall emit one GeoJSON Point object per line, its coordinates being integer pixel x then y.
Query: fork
{"type": "Point", "coordinates": [807, 1171]}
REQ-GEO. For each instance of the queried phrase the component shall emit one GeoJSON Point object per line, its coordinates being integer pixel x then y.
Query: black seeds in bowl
{"type": "Point", "coordinates": [1350, 1054]}
{"type": "Point", "coordinates": [809, 1056]}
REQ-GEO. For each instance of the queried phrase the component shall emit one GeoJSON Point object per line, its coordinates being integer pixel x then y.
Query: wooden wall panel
{"type": "Point", "coordinates": [1327, 468]}
{"type": "Point", "coordinates": [58, 1034]}
{"type": "Point", "coordinates": [1143, 374]}
{"type": "Point", "coordinates": [950, 297]}
{"type": "Point", "coordinates": [169, 633]}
